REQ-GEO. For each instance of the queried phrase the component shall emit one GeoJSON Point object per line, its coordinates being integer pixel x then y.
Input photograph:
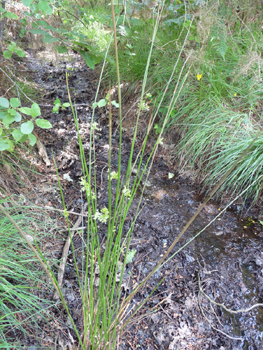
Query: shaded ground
{"type": "Point", "coordinates": [227, 256]}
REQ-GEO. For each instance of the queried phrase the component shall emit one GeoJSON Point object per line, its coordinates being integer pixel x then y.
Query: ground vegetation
{"type": "Point", "coordinates": [179, 82]}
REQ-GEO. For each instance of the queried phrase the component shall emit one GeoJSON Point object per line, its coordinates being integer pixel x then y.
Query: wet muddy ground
{"type": "Point", "coordinates": [225, 261]}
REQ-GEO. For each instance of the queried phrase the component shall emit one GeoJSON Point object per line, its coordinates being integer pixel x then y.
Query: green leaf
{"type": "Point", "coordinates": [130, 255]}
{"type": "Point", "coordinates": [11, 146]}
{"type": "Point", "coordinates": [7, 54]}
{"type": "Point", "coordinates": [89, 59]}
{"type": "Point", "coordinates": [10, 15]}
{"type": "Point", "coordinates": [66, 104]}
{"type": "Point", "coordinates": [25, 110]}
{"type": "Point", "coordinates": [56, 108]}
{"type": "Point", "coordinates": [35, 110]}
{"type": "Point", "coordinates": [9, 119]}
{"type": "Point", "coordinates": [44, 7]}
{"type": "Point", "coordinates": [4, 103]}
{"type": "Point", "coordinates": [62, 49]}
{"type": "Point", "coordinates": [12, 47]}
{"type": "Point", "coordinates": [32, 139]}
{"type": "Point", "coordinates": [94, 105]}
{"type": "Point", "coordinates": [38, 31]}
{"type": "Point", "coordinates": [4, 144]}
{"type": "Point", "coordinates": [42, 23]}
{"type": "Point", "coordinates": [23, 138]}
{"type": "Point", "coordinates": [102, 103]}
{"type": "Point", "coordinates": [12, 111]}
{"type": "Point", "coordinates": [14, 102]}
{"type": "Point", "coordinates": [27, 2]}
{"type": "Point", "coordinates": [3, 114]}
{"type": "Point", "coordinates": [43, 123]}
{"type": "Point", "coordinates": [17, 135]}
{"type": "Point", "coordinates": [2, 10]}
{"type": "Point", "coordinates": [49, 39]}
{"type": "Point", "coordinates": [57, 101]}
{"type": "Point", "coordinates": [20, 53]}
{"type": "Point", "coordinates": [27, 127]}
{"type": "Point", "coordinates": [116, 104]}
{"type": "Point", "coordinates": [18, 117]}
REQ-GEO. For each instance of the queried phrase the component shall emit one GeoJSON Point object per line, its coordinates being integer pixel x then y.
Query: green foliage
{"type": "Point", "coordinates": [57, 104]}
{"type": "Point", "coordinates": [23, 131]}
{"type": "Point", "coordinates": [22, 302]}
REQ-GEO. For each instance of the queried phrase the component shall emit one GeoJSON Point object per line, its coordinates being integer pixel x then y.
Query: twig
{"type": "Point", "coordinates": [210, 323]}
{"type": "Point", "coordinates": [65, 252]}
{"type": "Point", "coordinates": [16, 85]}
{"type": "Point", "coordinates": [223, 306]}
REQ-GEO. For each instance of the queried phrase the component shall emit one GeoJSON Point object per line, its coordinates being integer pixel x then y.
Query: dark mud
{"type": "Point", "coordinates": [227, 257]}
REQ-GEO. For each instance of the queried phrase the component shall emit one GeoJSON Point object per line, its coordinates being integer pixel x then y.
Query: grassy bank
{"type": "Point", "coordinates": [219, 110]}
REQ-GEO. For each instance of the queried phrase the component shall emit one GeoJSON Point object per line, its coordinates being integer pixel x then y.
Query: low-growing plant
{"type": "Point", "coordinates": [11, 134]}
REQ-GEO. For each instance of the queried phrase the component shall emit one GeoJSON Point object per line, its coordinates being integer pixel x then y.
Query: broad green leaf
{"type": "Point", "coordinates": [44, 7]}
{"type": "Point", "coordinates": [11, 146]}
{"type": "Point", "coordinates": [23, 139]}
{"type": "Point", "coordinates": [20, 53]}
{"type": "Point", "coordinates": [2, 10]}
{"type": "Point", "coordinates": [18, 117]}
{"type": "Point", "coordinates": [12, 111]}
{"type": "Point", "coordinates": [90, 61]}
{"type": "Point", "coordinates": [7, 54]}
{"type": "Point", "coordinates": [49, 39]}
{"type": "Point", "coordinates": [27, 2]}
{"type": "Point", "coordinates": [38, 31]}
{"type": "Point", "coordinates": [57, 101]}
{"type": "Point", "coordinates": [32, 139]}
{"type": "Point", "coordinates": [42, 23]}
{"type": "Point", "coordinates": [17, 135]}
{"type": "Point", "coordinates": [35, 110]}
{"type": "Point", "coordinates": [25, 110]}
{"type": "Point", "coordinates": [62, 49]}
{"type": "Point", "coordinates": [9, 119]}
{"type": "Point", "coordinates": [3, 114]}
{"type": "Point", "coordinates": [4, 144]}
{"type": "Point", "coordinates": [14, 102]}
{"type": "Point", "coordinates": [94, 105]}
{"type": "Point", "coordinates": [12, 47]}
{"type": "Point", "coordinates": [102, 103]}
{"type": "Point", "coordinates": [57, 30]}
{"type": "Point", "coordinates": [4, 103]}
{"type": "Point", "coordinates": [27, 127]}
{"type": "Point", "coordinates": [34, 9]}
{"type": "Point", "coordinates": [66, 104]}
{"type": "Point", "coordinates": [43, 123]}
{"type": "Point", "coordinates": [10, 15]}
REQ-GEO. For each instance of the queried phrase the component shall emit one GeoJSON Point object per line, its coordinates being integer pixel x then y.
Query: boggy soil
{"type": "Point", "coordinates": [225, 260]}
